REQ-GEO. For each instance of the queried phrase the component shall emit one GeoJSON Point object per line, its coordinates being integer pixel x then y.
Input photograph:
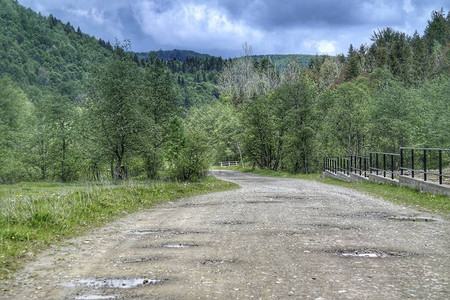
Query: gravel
{"type": "Point", "coordinates": [274, 238]}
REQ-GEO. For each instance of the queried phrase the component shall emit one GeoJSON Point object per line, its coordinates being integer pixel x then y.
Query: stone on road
{"type": "Point", "coordinates": [274, 238]}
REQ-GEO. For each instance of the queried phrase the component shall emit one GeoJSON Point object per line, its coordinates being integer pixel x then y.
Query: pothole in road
{"type": "Point", "coordinates": [97, 297]}
{"type": "Point", "coordinates": [173, 245]}
{"type": "Point", "coordinates": [168, 231]}
{"type": "Point", "coordinates": [330, 226]}
{"type": "Point", "coordinates": [117, 283]}
{"type": "Point", "coordinates": [135, 260]}
{"type": "Point", "coordinates": [369, 253]}
{"type": "Point", "coordinates": [384, 215]}
{"type": "Point", "coordinates": [413, 219]}
{"type": "Point", "coordinates": [236, 222]}
{"type": "Point", "coordinates": [179, 245]}
{"type": "Point", "coordinates": [218, 261]}
{"type": "Point", "coordinates": [187, 205]}
{"type": "Point", "coordinates": [371, 214]}
{"type": "Point", "coordinates": [263, 202]}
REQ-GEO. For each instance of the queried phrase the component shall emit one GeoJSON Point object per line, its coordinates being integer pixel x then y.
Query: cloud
{"type": "Point", "coordinates": [192, 24]}
{"type": "Point", "coordinates": [220, 27]}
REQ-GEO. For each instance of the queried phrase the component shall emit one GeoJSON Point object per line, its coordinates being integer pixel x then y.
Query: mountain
{"type": "Point", "coordinates": [282, 60]}
{"type": "Point", "coordinates": [167, 55]}
{"type": "Point", "coordinates": [44, 52]}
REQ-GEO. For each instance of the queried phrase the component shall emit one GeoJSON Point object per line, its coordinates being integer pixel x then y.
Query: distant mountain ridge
{"type": "Point", "coordinates": [279, 60]}
{"type": "Point", "coordinates": [167, 55]}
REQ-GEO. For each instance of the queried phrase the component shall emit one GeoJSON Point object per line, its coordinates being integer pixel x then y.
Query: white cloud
{"type": "Point", "coordinates": [193, 23]}
{"type": "Point", "coordinates": [92, 14]}
{"type": "Point", "coordinates": [326, 47]}
{"type": "Point", "coordinates": [407, 6]}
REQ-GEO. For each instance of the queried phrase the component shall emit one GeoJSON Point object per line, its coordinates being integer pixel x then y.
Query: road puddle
{"type": "Point", "coordinates": [236, 222]}
{"type": "Point", "coordinates": [179, 245]}
{"type": "Point", "coordinates": [97, 297]}
{"type": "Point", "coordinates": [369, 253]}
{"type": "Point", "coordinates": [168, 231]}
{"type": "Point", "coordinates": [218, 261]}
{"type": "Point", "coordinates": [116, 283]}
{"type": "Point", "coordinates": [413, 219]}
{"type": "Point", "coordinates": [135, 260]}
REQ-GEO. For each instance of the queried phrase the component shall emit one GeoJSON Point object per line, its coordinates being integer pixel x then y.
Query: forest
{"type": "Point", "coordinates": [76, 108]}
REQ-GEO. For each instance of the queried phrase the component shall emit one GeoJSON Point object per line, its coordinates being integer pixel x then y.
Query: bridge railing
{"type": "Point", "coordinates": [385, 164]}
{"type": "Point", "coordinates": [429, 164]}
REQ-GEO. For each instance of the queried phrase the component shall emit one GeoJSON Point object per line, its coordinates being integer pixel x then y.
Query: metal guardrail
{"type": "Point", "coordinates": [410, 155]}
{"type": "Point", "coordinates": [390, 163]}
{"type": "Point", "coordinates": [393, 164]}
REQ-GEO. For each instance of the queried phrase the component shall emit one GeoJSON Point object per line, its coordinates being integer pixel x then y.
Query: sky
{"type": "Point", "coordinates": [220, 27]}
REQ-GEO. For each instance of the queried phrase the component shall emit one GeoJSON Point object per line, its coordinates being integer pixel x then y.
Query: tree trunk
{"type": "Point", "coordinates": [63, 160]}
{"type": "Point", "coordinates": [117, 170]}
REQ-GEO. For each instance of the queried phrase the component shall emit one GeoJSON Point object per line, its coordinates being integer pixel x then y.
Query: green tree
{"type": "Point", "coordinates": [438, 29]}
{"type": "Point", "coordinates": [158, 105]}
{"type": "Point", "coordinates": [114, 108]}
{"type": "Point", "coordinates": [346, 121]}
{"type": "Point", "coordinates": [14, 112]}
{"type": "Point", "coordinates": [259, 132]}
{"type": "Point", "coordinates": [294, 106]}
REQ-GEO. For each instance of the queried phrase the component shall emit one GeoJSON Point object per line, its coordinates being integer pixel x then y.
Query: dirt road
{"type": "Point", "coordinates": [273, 239]}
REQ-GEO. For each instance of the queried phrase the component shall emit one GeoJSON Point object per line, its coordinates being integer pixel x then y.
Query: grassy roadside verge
{"type": "Point", "coordinates": [36, 215]}
{"type": "Point", "coordinates": [437, 204]}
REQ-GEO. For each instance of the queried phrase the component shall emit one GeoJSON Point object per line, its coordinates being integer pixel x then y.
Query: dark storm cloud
{"type": "Point", "coordinates": [220, 26]}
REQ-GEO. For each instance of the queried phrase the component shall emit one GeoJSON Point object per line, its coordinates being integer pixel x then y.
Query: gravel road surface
{"type": "Point", "coordinates": [274, 238]}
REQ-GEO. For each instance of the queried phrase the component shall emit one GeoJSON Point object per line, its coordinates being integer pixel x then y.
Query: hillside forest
{"type": "Point", "coordinates": [75, 108]}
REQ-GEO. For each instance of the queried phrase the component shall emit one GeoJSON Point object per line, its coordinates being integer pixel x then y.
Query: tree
{"type": "Point", "coordinates": [294, 107]}
{"type": "Point", "coordinates": [345, 124]}
{"type": "Point", "coordinates": [114, 108]}
{"type": "Point", "coordinates": [14, 111]}
{"type": "Point", "coordinates": [158, 105]}
{"type": "Point", "coordinates": [259, 138]}
{"type": "Point", "coordinates": [438, 29]}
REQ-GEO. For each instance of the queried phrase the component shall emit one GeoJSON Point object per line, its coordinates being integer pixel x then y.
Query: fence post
{"type": "Point", "coordinates": [424, 165]}
{"type": "Point", "coordinates": [347, 168]}
{"type": "Point", "coordinates": [412, 163]}
{"type": "Point", "coordinates": [360, 166]}
{"type": "Point", "coordinates": [376, 162]}
{"type": "Point", "coordinates": [401, 161]}
{"type": "Point", "coordinates": [370, 162]}
{"type": "Point", "coordinates": [365, 165]}
{"type": "Point", "coordinates": [384, 164]}
{"type": "Point", "coordinates": [440, 166]}
{"type": "Point", "coordinates": [392, 166]}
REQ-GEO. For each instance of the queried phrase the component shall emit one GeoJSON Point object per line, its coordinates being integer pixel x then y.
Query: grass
{"type": "Point", "coordinates": [36, 215]}
{"type": "Point", "coordinates": [438, 204]}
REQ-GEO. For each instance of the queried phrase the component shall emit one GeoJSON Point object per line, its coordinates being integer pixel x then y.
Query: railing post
{"type": "Point", "coordinates": [376, 163]}
{"type": "Point", "coordinates": [412, 163]}
{"type": "Point", "coordinates": [384, 164]}
{"type": "Point", "coordinates": [424, 165]}
{"type": "Point", "coordinates": [360, 166]}
{"type": "Point", "coordinates": [348, 166]}
{"type": "Point", "coordinates": [365, 165]}
{"type": "Point", "coordinates": [392, 166]}
{"type": "Point", "coordinates": [370, 162]}
{"type": "Point", "coordinates": [440, 166]}
{"type": "Point", "coordinates": [401, 161]}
